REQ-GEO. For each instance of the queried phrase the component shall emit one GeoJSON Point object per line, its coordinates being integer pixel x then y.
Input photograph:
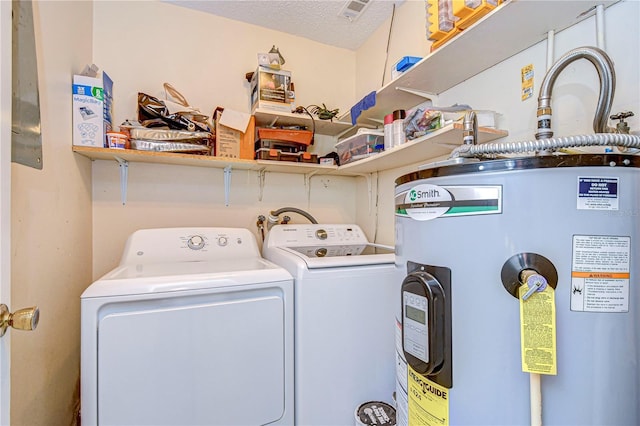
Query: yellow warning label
{"type": "Point", "coordinates": [538, 331]}
{"type": "Point", "coordinates": [527, 81]}
{"type": "Point", "coordinates": [428, 401]}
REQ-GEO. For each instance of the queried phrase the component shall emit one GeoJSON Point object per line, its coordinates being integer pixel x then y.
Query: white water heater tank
{"type": "Point", "coordinates": [465, 236]}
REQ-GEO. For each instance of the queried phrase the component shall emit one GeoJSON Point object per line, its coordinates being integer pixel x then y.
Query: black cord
{"type": "Point", "coordinates": [386, 58]}
{"type": "Point", "coordinates": [299, 110]}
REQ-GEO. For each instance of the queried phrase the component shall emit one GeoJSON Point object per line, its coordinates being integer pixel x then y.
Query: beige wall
{"type": "Point", "coordinates": [206, 57]}
{"type": "Point", "coordinates": [207, 61]}
{"type": "Point", "coordinates": [51, 230]}
{"type": "Point", "coordinates": [407, 36]}
{"type": "Point", "coordinates": [69, 225]}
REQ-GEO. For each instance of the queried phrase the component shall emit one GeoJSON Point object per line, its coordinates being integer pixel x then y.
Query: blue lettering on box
{"type": "Point", "coordinates": [83, 90]}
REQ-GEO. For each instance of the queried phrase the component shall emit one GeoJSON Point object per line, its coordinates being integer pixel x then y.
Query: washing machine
{"type": "Point", "coordinates": [345, 289]}
{"type": "Point", "coordinates": [193, 327]}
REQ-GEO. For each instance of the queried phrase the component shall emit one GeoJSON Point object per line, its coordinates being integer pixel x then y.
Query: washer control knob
{"type": "Point", "coordinates": [222, 241]}
{"type": "Point", "coordinates": [321, 234]}
{"type": "Point", "coordinates": [196, 242]}
{"type": "Point", "coordinates": [321, 252]}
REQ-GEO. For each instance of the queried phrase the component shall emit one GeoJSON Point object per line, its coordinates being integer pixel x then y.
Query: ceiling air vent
{"type": "Point", "coordinates": [352, 9]}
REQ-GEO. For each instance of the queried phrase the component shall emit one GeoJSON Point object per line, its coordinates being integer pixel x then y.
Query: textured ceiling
{"type": "Point", "coordinates": [316, 20]}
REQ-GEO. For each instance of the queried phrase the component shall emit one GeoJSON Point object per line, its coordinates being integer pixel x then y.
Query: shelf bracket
{"type": "Point", "coordinates": [227, 184]}
{"type": "Point", "coordinates": [369, 178]}
{"type": "Point", "coordinates": [430, 96]}
{"type": "Point", "coordinates": [370, 191]}
{"type": "Point", "coordinates": [261, 179]}
{"type": "Point", "coordinates": [307, 178]}
{"type": "Point", "coordinates": [124, 173]}
{"type": "Point", "coordinates": [307, 184]}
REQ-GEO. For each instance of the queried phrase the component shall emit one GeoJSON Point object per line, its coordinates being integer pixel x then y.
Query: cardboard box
{"type": "Point", "coordinates": [271, 89]}
{"type": "Point", "coordinates": [232, 143]}
{"type": "Point", "coordinates": [92, 110]}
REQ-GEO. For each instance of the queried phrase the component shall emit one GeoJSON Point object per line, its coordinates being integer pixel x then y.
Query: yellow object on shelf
{"type": "Point", "coordinates": [470, 11]}
{"type": "Point", "coordinates": [445, 39]}
{"type": "Point", "coordinates": [440, 20]}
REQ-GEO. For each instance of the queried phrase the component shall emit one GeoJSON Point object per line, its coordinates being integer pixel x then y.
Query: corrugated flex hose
{"type": "Point", "coordinates": [620, 140]}
{"type": "Point", "coordinates": [274, 215]}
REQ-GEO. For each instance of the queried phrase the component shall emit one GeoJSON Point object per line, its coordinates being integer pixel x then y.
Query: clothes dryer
{"type": "Point", "coordinates": [345, 292]}
{"type": "Point", "coordinates": [193, 327]}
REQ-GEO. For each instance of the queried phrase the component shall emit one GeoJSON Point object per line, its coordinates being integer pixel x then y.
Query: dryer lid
{"type": "Point", "coordinates": [148, 278]}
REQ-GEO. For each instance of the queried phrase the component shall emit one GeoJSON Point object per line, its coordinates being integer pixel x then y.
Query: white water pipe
{"type": "Point", "coordinates": [600, 26]}
{"type": "Point", "coordinates": [550, 48]}
{"type": "Point", "coordinates": [535, 392]}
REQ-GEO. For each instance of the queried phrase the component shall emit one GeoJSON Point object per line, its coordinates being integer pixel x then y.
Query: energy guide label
{"type": "Point", "coordinates": [600, 273]}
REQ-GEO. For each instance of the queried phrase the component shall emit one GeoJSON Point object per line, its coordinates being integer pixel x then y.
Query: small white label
{"type": "Point", "coordinates": [600, 273]}
{"type": "Point", "coordinates": [598, 193]}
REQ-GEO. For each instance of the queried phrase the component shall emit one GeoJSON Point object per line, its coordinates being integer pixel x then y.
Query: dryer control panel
{"type": "Point", "coordinates": [189, 244]}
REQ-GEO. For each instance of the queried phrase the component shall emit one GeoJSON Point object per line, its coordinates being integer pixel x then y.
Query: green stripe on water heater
{"type": "Point", "coordinates": [472, 209]}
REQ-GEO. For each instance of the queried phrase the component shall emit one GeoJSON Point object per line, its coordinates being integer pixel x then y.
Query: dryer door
{"type": "Point", "coordinates": [215, 359]}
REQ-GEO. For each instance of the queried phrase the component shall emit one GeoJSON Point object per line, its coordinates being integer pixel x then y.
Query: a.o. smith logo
{"type": "Point", "coordinates": [416, 195]}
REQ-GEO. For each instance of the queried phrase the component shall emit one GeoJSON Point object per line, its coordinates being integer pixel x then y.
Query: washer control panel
{"type": "Point", "coordinates": [315, 234]}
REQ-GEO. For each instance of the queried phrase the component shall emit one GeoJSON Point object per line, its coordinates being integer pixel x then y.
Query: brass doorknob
{"type": "Point", "coordinates": [22, 319]}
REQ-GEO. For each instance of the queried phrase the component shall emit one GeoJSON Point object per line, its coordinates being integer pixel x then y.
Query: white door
{"type": "Point", "coordinates": [5, 197]}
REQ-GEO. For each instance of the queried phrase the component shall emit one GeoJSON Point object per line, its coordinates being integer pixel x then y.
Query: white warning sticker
{"type": "Point", "coordinates": [600, 273]}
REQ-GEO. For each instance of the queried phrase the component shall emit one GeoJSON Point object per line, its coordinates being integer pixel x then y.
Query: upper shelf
{"type": "Point", "coordinates": [438, 143]}
{"type": "Point", "coordinates": [509, 29]}
{"type": "Point", "coordinates": [435, 144]}
{"type": "Point", "coordinates": [265, 117]}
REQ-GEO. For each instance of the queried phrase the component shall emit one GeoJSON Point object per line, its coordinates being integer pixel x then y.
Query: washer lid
{"type": "Point", "coordinates": [180, 276]}
{"type": "Point", "coordinates": [331, 256]}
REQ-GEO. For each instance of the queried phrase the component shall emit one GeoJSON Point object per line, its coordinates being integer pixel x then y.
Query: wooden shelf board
{"type": "Point", "coordinates": [201, 160]}
{"type": "Point", "coordinates": [435, 144]}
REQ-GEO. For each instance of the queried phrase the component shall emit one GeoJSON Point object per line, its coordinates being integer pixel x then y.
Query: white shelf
{"type": "Point", "coordinates": [435, 144]}
{"type": "Point", "coordinates": [265, 117]}
{"type": "Point", "coordinates": [509, 29]}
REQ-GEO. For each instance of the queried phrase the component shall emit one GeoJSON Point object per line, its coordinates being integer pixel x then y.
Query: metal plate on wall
{"type": "Point", "coordinates": [26, 137]}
